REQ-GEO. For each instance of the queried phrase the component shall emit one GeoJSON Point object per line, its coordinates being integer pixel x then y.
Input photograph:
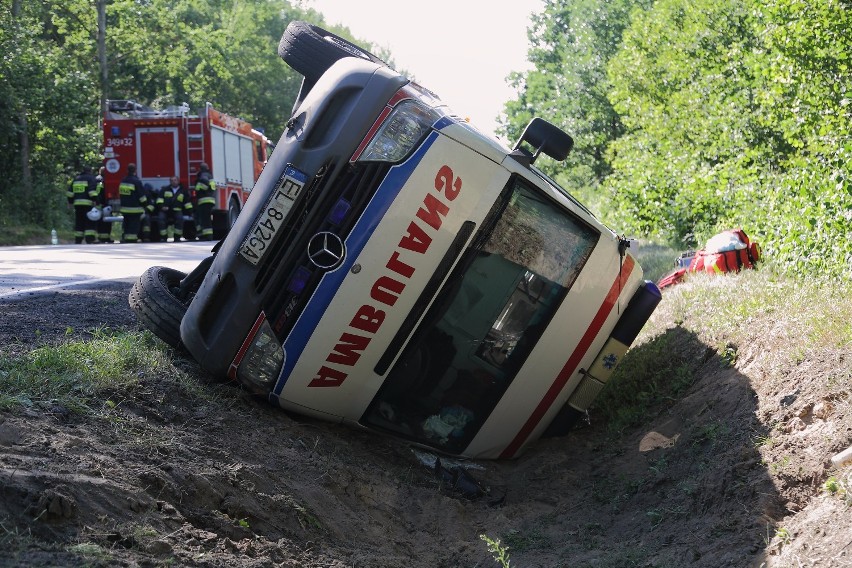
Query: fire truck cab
{"type": "Point", "coordinates": [399, 271]}
{"type": "Point", "coordinates": [174, 142]}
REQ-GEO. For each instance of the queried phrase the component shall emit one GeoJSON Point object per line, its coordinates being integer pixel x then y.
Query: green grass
{"type": "Point", "coordinates": [78, 375]}
{"type": "Point", "coordinates": [20, 235]}
{"type": "Point", "coordinates": [648, 378]}
{"type": "Point", "coordinates": [714, 317]}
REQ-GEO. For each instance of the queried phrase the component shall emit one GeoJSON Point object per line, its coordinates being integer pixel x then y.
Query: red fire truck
{"type": "Point", "coordinates": [174, 142]}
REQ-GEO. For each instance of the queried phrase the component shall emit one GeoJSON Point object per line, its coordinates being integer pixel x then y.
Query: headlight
{"type": "Point", "coordinates": [404, 127]}
{"type": "Point", "coordinates": [262, 362]}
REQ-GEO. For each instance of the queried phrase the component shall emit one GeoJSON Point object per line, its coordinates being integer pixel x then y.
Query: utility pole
{"type": "Point", "coordinates": [102, 56]}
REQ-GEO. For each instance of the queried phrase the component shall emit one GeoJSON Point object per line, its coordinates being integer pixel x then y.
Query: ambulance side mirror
{"type": "Point", "coordinates": [545, 137]}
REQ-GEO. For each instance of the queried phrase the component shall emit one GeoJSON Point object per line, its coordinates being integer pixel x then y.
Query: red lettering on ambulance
{"type": "Point", "coordinates": [368, 319]}
{"type": "Point", "coordinates": [405, 270]}
{"type": "Point", "coordinates": [416, 240]}
{"type": "Point", "coordinates": [348, 351]}
{"type": "Point", "coordinates": [444, 179]}
{"type": "Point", "coordinates": [328, 377]}
{"type": "Point", "coordinates": [432, 210]}
{"type": "Point", "coordinates": [384, 289]}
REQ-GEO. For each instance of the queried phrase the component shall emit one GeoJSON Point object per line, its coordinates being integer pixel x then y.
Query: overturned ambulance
{"type": "Point", "coordinates": [397, 270]}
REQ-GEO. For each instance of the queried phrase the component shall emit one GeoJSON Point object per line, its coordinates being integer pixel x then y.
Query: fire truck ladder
{"type": "Point", "coordinates": [194, 144]}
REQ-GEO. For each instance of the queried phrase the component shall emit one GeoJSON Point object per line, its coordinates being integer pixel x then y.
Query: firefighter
{"type": "Point", "coordinates": [103, 228]}
{"type": "Point", "coordinates": [150, 231]}
{"type": "Point", "coordinates": [175, 204]}
{"type": "Point", "coordinates": [134, 204]}
{"type": "Point", "coordinates": [205, 194]}
{"type": "Point", "coordinates": [82, 194]}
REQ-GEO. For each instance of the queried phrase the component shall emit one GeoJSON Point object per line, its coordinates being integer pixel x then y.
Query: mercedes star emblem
{"type": "Point", "coordinates": [326, 250]}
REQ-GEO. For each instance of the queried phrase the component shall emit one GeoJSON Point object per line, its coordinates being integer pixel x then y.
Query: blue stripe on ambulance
{"type": "Point", "coordinates": [387, 192]}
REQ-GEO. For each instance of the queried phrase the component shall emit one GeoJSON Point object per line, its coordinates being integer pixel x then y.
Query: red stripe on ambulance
{"type": "Point", "coordinates": [573, 361]}
{"type": "Point", "coordinates": [387, 288]}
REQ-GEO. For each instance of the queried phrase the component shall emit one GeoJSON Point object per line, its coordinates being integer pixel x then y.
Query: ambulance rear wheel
{"type": "Point", "coordinates": [563, 422]}
{"type": "Point", "coordinates": [155, 298]}
{"type": "Point", "coordinates": [311, 50]}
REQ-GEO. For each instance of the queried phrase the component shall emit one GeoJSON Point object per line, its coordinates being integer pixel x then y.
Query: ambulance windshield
{"type": "Point", "coordinates": [485, 321]}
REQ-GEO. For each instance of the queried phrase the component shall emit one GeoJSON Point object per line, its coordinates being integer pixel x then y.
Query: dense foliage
{"type": "Point", "coordinates": [159, 53]}
{"type": "Point", "coordinates": [688, 117]}
{"type": "Point", "coordinates": [696, 116]}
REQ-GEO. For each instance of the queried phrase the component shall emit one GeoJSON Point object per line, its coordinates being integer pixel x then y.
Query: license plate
{"type": "Point", "coordinates": [287, 189]}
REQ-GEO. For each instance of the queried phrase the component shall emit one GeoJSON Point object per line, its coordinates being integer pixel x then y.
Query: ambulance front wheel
{"type": "Point", "coordinates": [155, 298]}
{"type": "Point", "coordinates": [311, 50]}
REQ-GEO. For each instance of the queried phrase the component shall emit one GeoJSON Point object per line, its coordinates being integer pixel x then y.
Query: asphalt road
{"type": "Point", "coordinates": [31, 269]}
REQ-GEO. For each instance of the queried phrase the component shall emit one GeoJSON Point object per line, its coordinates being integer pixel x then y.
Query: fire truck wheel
{"type": "Point", "coordinates": [155, 300]}
{"type": "Point", "coordinates": [311, 50]}
{"type": "Point", "coordinates": [233, 211]}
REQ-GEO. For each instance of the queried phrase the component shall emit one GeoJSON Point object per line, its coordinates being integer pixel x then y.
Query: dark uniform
{"type": "Point", "coordinates": [150, 228]}
{"type": "Point", "coordinates": [103, 228]}
{"type": "Point", "coordinates": [205, 197]}
{"type": "Point", "coordinates": [133, 205]}
{"type": "Point", "coordinates": [82, 194]}
{"type": "Point", "coordinates": [175, 203]}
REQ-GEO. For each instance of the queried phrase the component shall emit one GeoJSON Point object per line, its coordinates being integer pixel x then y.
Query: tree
{"type": "Point", "coordinates": [49, 94]}
{"type": "Point", "coordinates": [737, 113]}
{"type": "Point", "coordinates": [571, 43]}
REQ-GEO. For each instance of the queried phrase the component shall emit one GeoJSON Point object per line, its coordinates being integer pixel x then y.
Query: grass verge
{"type": "Point", "coordinates": [711, 316]}
{"type": "Point", "coordinates": [78, 375]}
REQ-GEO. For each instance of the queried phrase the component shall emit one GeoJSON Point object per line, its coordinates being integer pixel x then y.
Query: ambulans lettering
{"type": "Point", "coordinates": [416, 240]}
{"type": "Point", "coordinates": [435, 208]}
{"type": "Point", "coordinates": [400, 267]}
{"type": "Point", "coordinates": [368, 319]}
{"type": "Point", "coordinates": [348, 351]}
{"type": "Point", "coordinates": [445, 179]}
{"type": "Point", "coordinates": [328, 377]}
{"type": "Point", "coordinates": [388, 288]}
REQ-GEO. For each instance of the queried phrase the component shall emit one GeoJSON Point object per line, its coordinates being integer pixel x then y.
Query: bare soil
{"type": "Point", "coordinates": [729, 474]}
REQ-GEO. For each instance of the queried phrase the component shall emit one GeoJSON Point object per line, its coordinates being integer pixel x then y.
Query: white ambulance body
{"type": "Point", "coordinates": [399, 271]}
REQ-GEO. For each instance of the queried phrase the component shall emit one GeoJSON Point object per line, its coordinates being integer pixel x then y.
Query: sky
{"type": "Point", "coordinates": [462, 50]}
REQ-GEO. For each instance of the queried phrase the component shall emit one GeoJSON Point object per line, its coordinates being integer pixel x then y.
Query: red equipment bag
{"type": "Point", "coordinates": [728, 251]}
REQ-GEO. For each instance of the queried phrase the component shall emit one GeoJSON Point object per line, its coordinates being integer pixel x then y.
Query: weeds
{"type": "Point", "coordinates": [832, 485]}
{"type": "Point", "coordinates": [648, 379]}
{"type": "Point", "coordinates": [499, 552]}
{"type": "Point", "coordinates": [783, 535]}
{"type": "Point", "coordinates": [839, 487]}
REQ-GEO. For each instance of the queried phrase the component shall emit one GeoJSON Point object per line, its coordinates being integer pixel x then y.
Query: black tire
{"type": "Point", "coordinates": [311, 50]}
{"type": "Point", "coordinates": [153, 297]}
{"type": "Point", "coordinates": [563, 422]}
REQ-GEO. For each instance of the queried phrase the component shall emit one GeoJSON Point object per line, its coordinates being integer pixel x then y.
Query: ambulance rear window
{"type": "Point", "coordinates": [485, 321]}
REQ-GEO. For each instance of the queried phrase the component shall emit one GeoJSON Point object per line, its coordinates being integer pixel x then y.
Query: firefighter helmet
{"type": "Point", "coordinates": [94, 214]}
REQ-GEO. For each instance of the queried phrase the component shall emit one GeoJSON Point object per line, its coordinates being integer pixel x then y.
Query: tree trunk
{"type": "Point", "coordinates": [23, 127]}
